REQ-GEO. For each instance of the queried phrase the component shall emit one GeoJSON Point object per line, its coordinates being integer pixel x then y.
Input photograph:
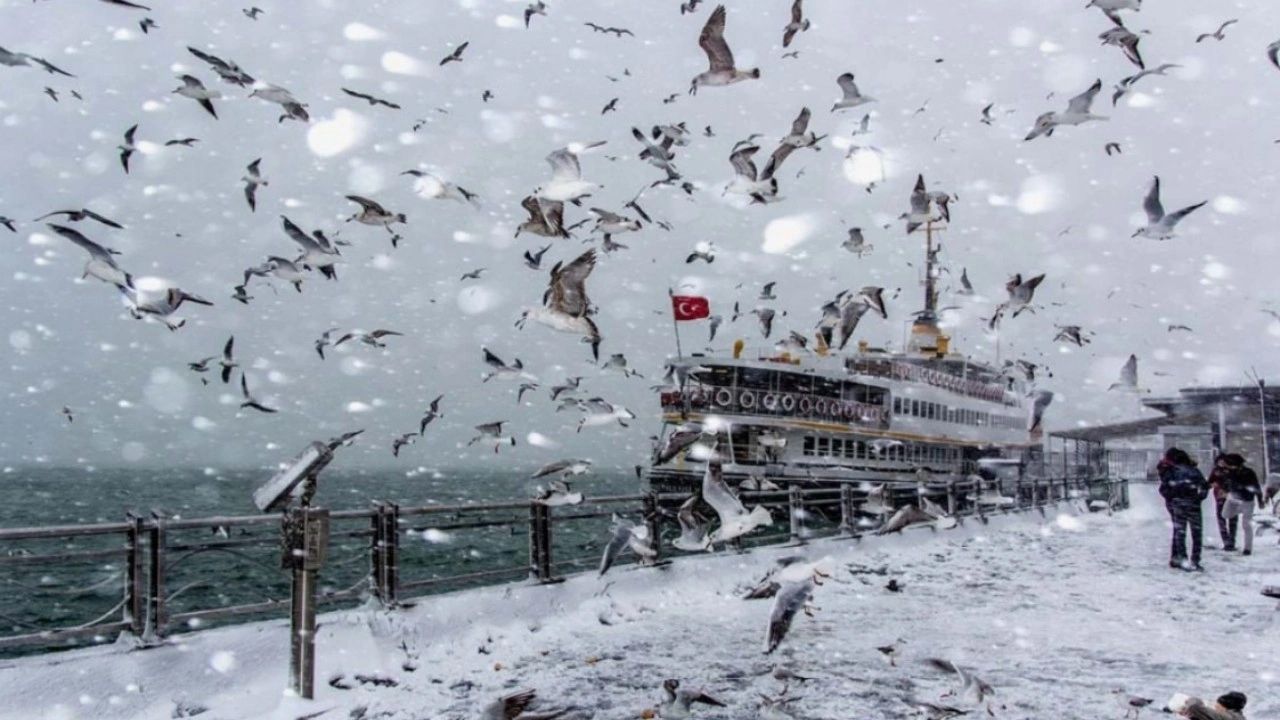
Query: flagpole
{"type": "Point", "coordinates": [675, 324]}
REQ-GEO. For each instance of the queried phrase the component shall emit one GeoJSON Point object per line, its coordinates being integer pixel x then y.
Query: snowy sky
{"type": "Point", "coordinates": [1057, 205]}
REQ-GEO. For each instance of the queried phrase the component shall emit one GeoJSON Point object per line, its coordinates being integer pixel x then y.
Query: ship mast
{"type": "Point", "coordinates": [926, 337]}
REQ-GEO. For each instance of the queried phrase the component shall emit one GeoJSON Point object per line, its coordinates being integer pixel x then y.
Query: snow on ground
{"type": "Point", "coordinates": [1055, 613]}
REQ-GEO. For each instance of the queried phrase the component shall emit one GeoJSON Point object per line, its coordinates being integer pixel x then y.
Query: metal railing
{"type": "Point", "coordinates": [173, 577]}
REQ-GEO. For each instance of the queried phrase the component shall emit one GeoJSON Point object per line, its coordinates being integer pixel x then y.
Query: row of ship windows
{"type": "Point", "coordinates": [937, 411]}
{"type": "Point", "coordinates": [859, 450]}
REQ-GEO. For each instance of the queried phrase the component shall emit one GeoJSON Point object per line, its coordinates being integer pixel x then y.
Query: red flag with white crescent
{"type": "Point", "coordinates": [690, 307]}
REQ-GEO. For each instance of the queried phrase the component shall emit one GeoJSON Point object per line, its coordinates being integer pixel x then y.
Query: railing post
{"type": "Point", "coordinates": [978, 508]}
{"type": "Point", "coordinates": [951, 497]}
{"type": "Point", "coordinates": [848, 521]}
{"type": "Point", "coordinates": [134, 602]}
{"type": "Point", "coordinates": [391, 553]}
{"type": "Point", "coordinates": [377, 555]}
{"type": "Point", "coordinates": [540, 542]}
{"type": "Point", "coordinates": [156, 620]}
{"type": "Point", "coordinates": [653, 522]}
{"type": "Point", "coordinates": [795, 504]}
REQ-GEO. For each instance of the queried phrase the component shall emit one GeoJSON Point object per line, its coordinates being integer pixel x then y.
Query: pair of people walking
{"type": "Point", "coordinates": [1236, 491]}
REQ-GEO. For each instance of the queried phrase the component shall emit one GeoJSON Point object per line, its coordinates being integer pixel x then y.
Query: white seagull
{"type": "Point", "coordinates": [735, 521]}
{"type": "Point", "coordinates": [851, 96]}
{"type": "Point", "coordinates": [566, 183]}
{"type": "Point", "coordinates": [194, 89]}
{"type": "Point", "coordinates": [101, 264]}
{"type": "Point", "coordinates": [1160, 225]}
{"type": "Point", "coordinates": [720, 57]}
{"type": "Point", "coordinates": [1077, 112]}
{"type": "Point", "coordinates": [565, 305]}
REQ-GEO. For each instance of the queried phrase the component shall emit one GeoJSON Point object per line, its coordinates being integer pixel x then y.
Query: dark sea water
{"type": "Point", "coordinates": [46, 595]}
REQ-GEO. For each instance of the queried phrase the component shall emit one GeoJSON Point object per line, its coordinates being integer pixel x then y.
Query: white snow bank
{"type": "Point", "coordinates": [1054, 612]}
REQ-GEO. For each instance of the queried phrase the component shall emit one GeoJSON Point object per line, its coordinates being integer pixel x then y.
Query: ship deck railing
{"type": "Point", "coordinates": [145, 578]}
{"type": "Point", "coordinates": [814, 407]}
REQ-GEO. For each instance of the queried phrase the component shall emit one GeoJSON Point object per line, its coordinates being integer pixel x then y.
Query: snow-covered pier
{"type": "Point", "coordinates": [1055, 612]}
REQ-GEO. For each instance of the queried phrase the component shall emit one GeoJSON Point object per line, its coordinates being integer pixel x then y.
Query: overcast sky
{"type": "Point", "coordinates": [1056, 205]}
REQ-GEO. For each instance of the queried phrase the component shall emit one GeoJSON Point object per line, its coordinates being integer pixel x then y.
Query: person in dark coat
{"type": "Point", "coordinates": [1183, 488]}
{"type": "Point", "coordinates": [1243, 492]}
{"type": "Point", "coordinates": [1218, 481]}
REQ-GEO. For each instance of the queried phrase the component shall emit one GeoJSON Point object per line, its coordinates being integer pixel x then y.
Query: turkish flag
{"type": "Point", "coordinates": [690, 307]}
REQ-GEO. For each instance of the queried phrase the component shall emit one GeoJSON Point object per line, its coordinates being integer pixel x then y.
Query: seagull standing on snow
{"type": "Point", "coordinates": [852, 98]}
{"type": "Point", "coordinates": [722, 70]}
{"type": "Point", "coordinates": [565, 305]}
{"type": "Point", "coordinates": [1159, 225]}
{"type": "Point", "coordinates": [194, 89]}
{"type": "Point", "coordinates": [566, 183]}
{"type": "Point", "coordinates": [513, 706]}
{"type": "Point", "coordinates": [678, 702]}
{"type": "Point", "coordinates": [1077, 112]}
{"type": "Point", "coordinates": [251, 182]}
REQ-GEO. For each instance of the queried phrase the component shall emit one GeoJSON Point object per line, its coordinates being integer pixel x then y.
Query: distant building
{"type": "Point", "coordinates": [1204, 421]}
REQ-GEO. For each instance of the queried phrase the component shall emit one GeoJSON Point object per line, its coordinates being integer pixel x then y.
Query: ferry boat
{"type": "Point", "coordinates": [824, 417]}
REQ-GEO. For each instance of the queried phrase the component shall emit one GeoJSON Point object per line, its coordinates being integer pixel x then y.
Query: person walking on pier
{"type": "Point", "coordinates": [1218, 481]}
{"type": "Point", "coordinates": [1183, 488]}
{"type": "Point", "coordinates": [1243, 491]}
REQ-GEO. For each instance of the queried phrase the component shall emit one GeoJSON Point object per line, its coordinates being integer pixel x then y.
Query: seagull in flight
{"type": "Point", "coordinates": [227, 363]}
{"type": "Point", "coordinates": [128, 148]}
{"type": "Point", "coordinates": [251, 182]}
{"type": "Point", "coordinates": [194, 89]}
{"type": "Point", "coordinates": [371, 213]}
{"type": "Point", "coordinates": [225, 69]}
{"type": "Point", "coordinates": [1125, 85]}
{"type": "Point", "coordinates": [249, 400]}
{"type": "Point", "coordinates": [566, 183]}
{"type": "Point", "coordinates": [80, 215]}
{"type": "Point", "coordinates": [534, 8]}
{"type": "Point", "coordinates": [799, 23]}
{"type": "Point", "coordinates": [373, 101]}
{"type": "Point", "coordinates": [1125, 39]}
{"type": "Point", "coordinates": [851, 96]}
{"type": "Point", "coordinates": [720, 57]}
{"type": "Point", "coordinates": [1159, 224]}
{"type": "Point", "coordinates": [1128, 379]}
{"type": "Point", "coordinates": [101, 265]}
{"type": "Point", "coordinates": [1217, 34]}
{"type": "Point", "coordinates": [372, 339]}
{"type": "Point", "coordinates": [1078, 112]}
{"type": "Point", "coordinates": [1020, 294]}
{"type": "Point", "coordinates": [565, 305]}
{"type": "Point", "coordinates": [432, 413]}
{"type": "Point", "coordinates": [456, 55]}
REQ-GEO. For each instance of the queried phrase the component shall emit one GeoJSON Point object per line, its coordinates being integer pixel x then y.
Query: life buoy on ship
{"type": "Point", "coordinates": [788, 403]}
{"type": "Point", "coordinates": [724, 397]}
{"type": "Point", "coordinates": [697, 398]}
{"type": "Point", "coordinates": [849, 411]}
{"type": "Point", "coordinates": [820, 406]}
{"type": "Point", "coordinates": [770, 402]}
{"type": "Point", "coordinates": [747, 399]}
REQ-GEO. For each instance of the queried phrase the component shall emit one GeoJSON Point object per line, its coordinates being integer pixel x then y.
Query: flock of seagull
{"type": "Point", "coordinates": [566, 307]}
